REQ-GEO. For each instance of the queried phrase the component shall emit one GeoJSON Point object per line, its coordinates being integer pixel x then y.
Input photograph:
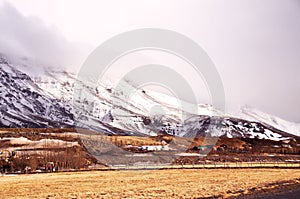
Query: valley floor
{"type": "Point", "coordinates": [175, 183]}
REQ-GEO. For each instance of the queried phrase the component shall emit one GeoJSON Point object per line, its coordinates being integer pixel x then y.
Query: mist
{"type": "Point", "coordinates": [254, 44]}
{"type": "Point", "coordinates": [29, 40]}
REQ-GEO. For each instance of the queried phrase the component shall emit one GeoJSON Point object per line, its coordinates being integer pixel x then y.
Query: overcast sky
{"type": "Point", "coordinates": [254, 44]}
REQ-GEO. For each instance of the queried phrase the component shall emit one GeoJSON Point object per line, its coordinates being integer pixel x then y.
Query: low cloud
{"type": "Point", "coordinates": [26, 38]}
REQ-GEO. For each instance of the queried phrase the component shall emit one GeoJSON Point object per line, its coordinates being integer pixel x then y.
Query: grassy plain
{"type": "Point", "coordinates": [174, 183]}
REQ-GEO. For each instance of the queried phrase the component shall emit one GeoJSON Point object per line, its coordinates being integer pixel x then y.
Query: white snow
{"type": "Point", "coordinates": [289, 127]}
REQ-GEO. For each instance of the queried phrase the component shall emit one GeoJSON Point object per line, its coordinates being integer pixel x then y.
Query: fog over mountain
{"type": "Point", "coordinates": [29, 41]}
{"type": "Point", "coordinates": [254, 44]}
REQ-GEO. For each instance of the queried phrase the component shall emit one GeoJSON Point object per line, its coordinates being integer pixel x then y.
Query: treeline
{"type": "Point", "coordinates": [62, 159]}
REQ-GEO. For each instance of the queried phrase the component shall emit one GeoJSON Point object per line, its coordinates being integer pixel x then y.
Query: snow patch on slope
{"type": "Point", "coordinates": [289, 127]}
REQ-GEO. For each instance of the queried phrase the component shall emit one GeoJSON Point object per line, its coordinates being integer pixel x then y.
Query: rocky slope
{"type": "Point", "coordinates": [24, 104]}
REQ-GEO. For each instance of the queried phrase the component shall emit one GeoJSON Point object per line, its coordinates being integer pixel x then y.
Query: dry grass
{"type": "Point", "coordinates": [133, 140]}
{"type": "Point", "coordinates": [142, 184]}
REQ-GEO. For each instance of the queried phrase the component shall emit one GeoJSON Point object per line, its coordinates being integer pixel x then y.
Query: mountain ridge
{"type": "Point", "coordinates": [48, 101]}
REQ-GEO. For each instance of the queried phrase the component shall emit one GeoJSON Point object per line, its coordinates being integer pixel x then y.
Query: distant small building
{"type": "Point", "coordinates": [204, 147]}
{"type": "Point", "coordinates": [49, 167]}
{"type": "Point", "coordinates": [286, 146]}
{"type": "Point", "coordinates": [155, 148]}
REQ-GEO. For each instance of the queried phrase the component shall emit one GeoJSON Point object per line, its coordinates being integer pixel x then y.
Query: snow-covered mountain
{"type": "Point", "coordinates": [48, 100]}
{"type": "Point", "coordinates": [24, 104]}
{"type": "Point", "coordinates": [257, 115]}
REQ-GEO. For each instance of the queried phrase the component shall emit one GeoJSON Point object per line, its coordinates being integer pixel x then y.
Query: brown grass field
{"type": "Point", "coordinates": [175, 183]}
